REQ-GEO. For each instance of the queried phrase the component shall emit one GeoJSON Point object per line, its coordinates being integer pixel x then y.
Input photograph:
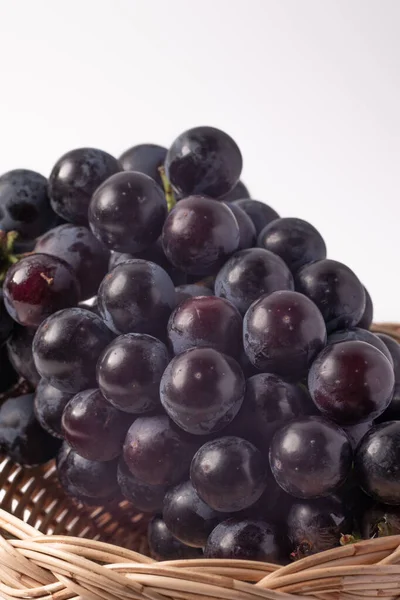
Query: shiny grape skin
{"type": "Point", "coordinates": [282, 334]}
{"type": "Point", "coordinates": [261, 214]}
{"type": "Point", "coordinates": [37, 286]}
{"type": "Point", "coordinates": [129, 372]}
{"type": "Point", "coordinates": [229, 473]}
{"type": "Point", "coordinates": [19, 349]}
{"type": "Point", "coordinates": [21, 436]}
{"type": "Point", "coordinates": [380, 520]}
{"type": "Point", "coordinates": [80, 249]}
{"type": "Point", "coordinates": [394, 350]}
{"type": "Point", "coordinates": [206, 321]}
{"type": "Point", "coordinates": [137, 297]}
{"type": "Point", "coordinates": [199, 235]}
{"type": "Point", "coordinates": [310, 457]}
{"type": "Point", "coordinates": [247, 539]}
{"type": "Point", "coordinates": [66, 348]}
{"type": "Point", "coordinates": [249, 274]}
{"type": "Point", "coordinates": [127, 212]}
{"type": "Point", "coordinates": [49, 406]}
{"type": "Point", "coordinates": [92, 427]}
{"type": "Point", "coordinates": [361, 335]}
{"type": "Point", "coordinates": [239, 192]}
{"type": "Point", "coordinates": [247, 230]}
{"type": "Point", "coordinates": [377, 463]}
{"type": "Point", "coordinates": [24, 203]}
{"type": "Point", "coordinates": [75, 177]}
{"type": "Point", "coordinates": [144, 158]}
{"type": "Point", "coordinates": [202, 390]}
{"type": "Point", "coordinates": [368, 315]}
{"type": "Point", "coordinates": [190, 290]}
{"type": "Point", "coordinates": [157, 452]}
{"type": "Point", "coordinates": [144, 497]}
{"type": "Point", "coordinates": [203, 160]}
{"type": "Point", "coordinates": [90, 304]}
{"type": "Point", "coordinates": [335, 289]}
{"type": "Point", "coordinates": [297, 242]}
{"type": "Point", "coordinates": [187, 517]}
{"type": "Point", "coordinates": [351, 382]}
{"type": "Point", "coordinates": [6, 322]}
{"type": "Point", "coordinates": [164, 546]}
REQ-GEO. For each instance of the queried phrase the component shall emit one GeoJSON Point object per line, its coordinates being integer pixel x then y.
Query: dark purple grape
{"type": "Point", "coordinates": [129, 372]}
{"type": "Point", "coordinates": [137, 297]}
{"type": "Point", "coordinates": [157, 452]}
{"type": "Point", "coordinates": [282, 334]}
{"type": "Point", "coordinates": [317, 525]}
{"type": "Point", "coordinates": [80, 249]}
{"type": "Point", "coordinates": [380, 520]}
{"type": "Point", "coordinates": [199, 235]}
{"type": "Point", "coordinates": [8, 375]}
{"type": "Point", "coordinates": [49, 406]}
{"type": "Point", "coordinates": [366, 320]}
{"type": "Point", "coordinates": [24, 204]}
{"type": "Point", "coordinates": [21, 436]}
{"type": "Point", "coordinates": [164, 546]}
{"type": "Point", "coordinates": [310, 457]}
{"type": "Point", "coordinates": [355, 433]}
{"type": "Point", "coordinates": [351, 382]}
{"type": "Point", "coordinates": [74, 178]}
{"type": "Point", "coordinates": [296, 241]}
{"type": "Point", "coordinates": [394, 351]}
{"type": "Point", "coordinates": [229, 474]}
{"type": "Point", "coordinates": [246, 539]}
{"type": "Point", "coordinates": [361, 335]}
{"type": "Point", "coordinates": [187, 517]}
{"type": "Point", "coordinates": [19, 348]}
{"type": "Point", "coordinates": [66, 348]}
{"type": "Point", "coordinates": [206, 321]}
{"type": "Point", "coordinates": [392, 413]}
{"type": "Point", "coordinates": [249, 274]}
{"type": "Point", "coordinates": [144, 158]}
{"type": "Point", "coordinates": [93, 428]}
{"type": "Point", "coordinates": [203, 160]}
{"type": "Point", "coordinates": [6, 322]}
{"type": "Point", "coordinates": [247, 231]}
{"type": "Point", "coordinates": [239, 192]}
{"type": "Point", "coordinates": [191, 290]}
{"type": "Point", "coordinates": [127, 212]}
{"type": "Point", "coordinates": [261, 214]}
{"type": "Point", "coordinates": [144, 497]}
{"type": "Point", "coordinates": [202, 390]}
{"type": "Point", "coordinates": [37, 286]}
{"type": "Point", "coordinates": [335, 289]}
{"type": "Point", "coordinates": [377, 463]}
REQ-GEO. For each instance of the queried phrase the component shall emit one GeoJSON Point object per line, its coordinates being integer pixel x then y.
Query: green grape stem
{"type": "Point", "coordinates": [169, 192]}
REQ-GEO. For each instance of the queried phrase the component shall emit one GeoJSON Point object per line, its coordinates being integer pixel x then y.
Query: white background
{"type": "Point", "coordinates": [310, 90]}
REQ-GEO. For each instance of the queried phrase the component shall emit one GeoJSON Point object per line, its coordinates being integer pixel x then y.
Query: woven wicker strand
{"type": "Point", "coordinates": [54, 549]}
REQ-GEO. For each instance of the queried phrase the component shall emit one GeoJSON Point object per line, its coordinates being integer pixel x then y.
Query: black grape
{"type": "Point", "coordinates": [394, 350]}
{"type": "Point", "coordinates": [144, 158]}
{"type": "Point", "coordinates": [237, 193]}
{"type": "Point", "coordinates": [144, 497]}
{"type": "Point", "coordinates": [19, 349]}
{"type": "Point", "coordinates": [190, 290]}
{"type": "Point", "coordinates": [361, 335]}
{"type": "Point", "coordinates": [164, 546]}
{"type": "Point", "coordinates": [247, 231]}
{"type": "Point", "coordinates": [261, 214]}
{"type": "Point", "coordinates": [367, 317]}
{"type": "Point", "coordinates": [49, 406]}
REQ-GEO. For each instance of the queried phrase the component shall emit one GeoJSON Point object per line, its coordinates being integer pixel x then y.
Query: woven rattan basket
{"type": "Point", "coordinates": [52, 549]}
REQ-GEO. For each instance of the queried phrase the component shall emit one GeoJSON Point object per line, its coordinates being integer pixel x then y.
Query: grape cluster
{"type": "Point", "coordinates": [185, 348]}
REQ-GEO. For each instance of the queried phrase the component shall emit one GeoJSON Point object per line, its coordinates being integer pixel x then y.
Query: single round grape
{"type": "Point", "coordinates": [203, 160]}
{"type": "Point", "coordinates": [187, 517]}
{"type": "Point", "coordinates": [8, 375]}
{"type": "Point", "coordinates": [249, 274]}
{"type": "Point", "coordinates": [310, 457]}
{"type": "Point", "coordinates": [92, 427]}
{"type": "Point", "coordinates": [24, 203]}
{"type": "Point", "coordinates": [368, 315]}
{"type": "Point", "coordinates": [351, 382]}
{"type": "Point", "coordinates": [66, 348]}
{"type": "Point", "coordinates": [261, 214]}
{"type": "Point", "coordinates": [199, 235]}
{"type": "Point", "coordinates": [37, 286]}
{"type": "Point", "coordinates": [380, 520]}
{"type": "Point", "coordinates": [157, 452]}
{"type": "Point", "coordinates": [361, 335]}
{"type": "Point", "coordinates": [392, 413]}
{"type": "Point", "coordinates": [191, 290]}
{"type": "Point", "coordinates": [21, 436]}
{"type": "Point", "coordinates": [74, 178]}
{"type": "Point", "coordinates": [6, 322]}
{"type": "Point", "coordinates": [127, 212]}
{"type": "Point", "coordinates": [247, 231]}
{"type": "Point", "coordinates": [229, 474]}
{"type": "Point", "coordinates": [394, 351]}
{"type": "Point", "coordinates": [19, 349]}
{"type": "Point", "coordinates": [317, 525]}
{"type": "Point", "coordinates": [164, 546]}
{"type": "Point", "coordinates": [137, 297]}
{"type": "Point", "coordinates": [247, 539]}
{"type": "Point", "coordinates": [144, 158]}
{"type": "Point", "coordinates": [335, 289]}
{"type": "Point", "coordinates": [282, 334]}
{"type": "Point", "coordinates": [143, 496]}
{"type": "Point", "coordinates": [80, 249]}
{"type": "Point", "coordinates": [129, 372]}
{"type": "Point", "coordinates": [49, 406]}
{"type": "Point", "coordinates": [377, 463]}
{"type": "Point", "coordinates": [206, 321]}
{"type": "Point", "coordinates": [355, 433]}
{"type": "Point", "coordinates": [296, 241]}
{"type": "Point", "coordinates": [202, 390]}
{"type": "Point", "coordinates": [239, 192]}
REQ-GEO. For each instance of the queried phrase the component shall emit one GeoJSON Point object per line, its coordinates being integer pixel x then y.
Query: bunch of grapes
{"type": "Point", "coordinates": [185, 348]}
